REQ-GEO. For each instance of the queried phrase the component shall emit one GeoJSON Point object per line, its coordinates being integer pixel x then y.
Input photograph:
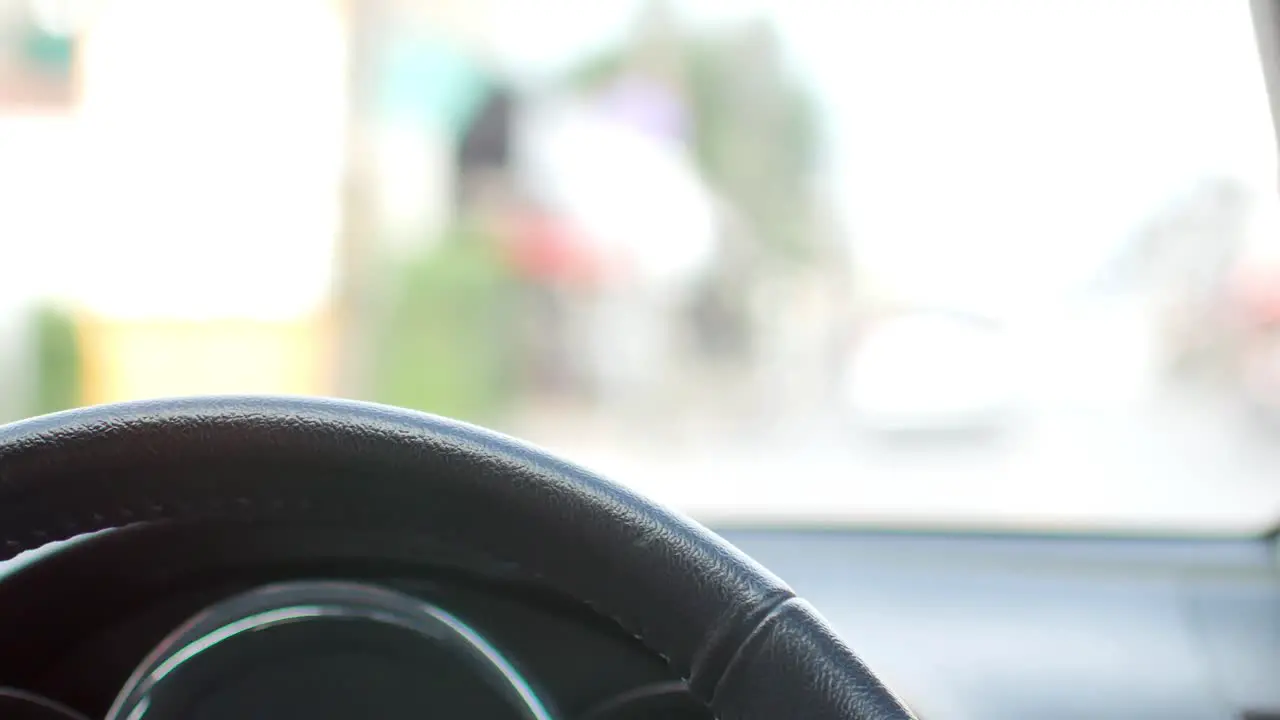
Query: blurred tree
{"type": "Point", "coordinates": [441, 343]}
{"type": "Point", "coordinates": [656, 43]}
{"type": "Point", "coordinates": [754, 135]}
{"type": "Point", "coordinates": [57, 361]}
{"type": "Point", "coordinates": [754, 128]}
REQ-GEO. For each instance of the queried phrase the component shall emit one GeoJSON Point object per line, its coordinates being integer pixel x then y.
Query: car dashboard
{"type": "Point", "coordinates": [962, 625]}
{"type": "Point", "coordinates": [1051, 627]}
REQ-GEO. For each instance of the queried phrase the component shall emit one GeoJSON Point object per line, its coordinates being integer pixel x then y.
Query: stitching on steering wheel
{"type": "Point", "coordinates": [158, 513]}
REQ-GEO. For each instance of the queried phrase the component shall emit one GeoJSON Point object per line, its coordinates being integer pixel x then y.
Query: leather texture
{"type": "Point", "coordinates": [747, 646]}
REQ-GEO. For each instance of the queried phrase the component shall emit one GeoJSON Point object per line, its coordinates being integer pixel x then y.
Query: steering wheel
{"type": "Point", "coordinates": [393, 481]}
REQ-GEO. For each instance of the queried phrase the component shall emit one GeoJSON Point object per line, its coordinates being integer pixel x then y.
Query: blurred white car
{"type": "Point", "coordinates": [933, 371]}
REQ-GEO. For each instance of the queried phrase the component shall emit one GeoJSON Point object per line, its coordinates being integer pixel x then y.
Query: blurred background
{"type": "Point", "coordinates": [978, 263]}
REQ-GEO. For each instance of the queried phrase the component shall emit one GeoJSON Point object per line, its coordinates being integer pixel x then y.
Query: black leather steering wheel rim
{"type": "Point", "coordinates": [749, 648]}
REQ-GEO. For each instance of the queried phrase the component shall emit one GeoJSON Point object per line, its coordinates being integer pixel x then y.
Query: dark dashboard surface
{"type": "Point", "coordinates": [1014, 626]}
{"type": "Point", "coordinates": [962, 625]}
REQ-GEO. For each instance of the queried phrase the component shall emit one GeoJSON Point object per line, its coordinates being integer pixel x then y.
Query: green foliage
{"type": "Point", "coordinates": [442, 343]}
{"type": "Point", "coordinates": [597, 71]}
{"type": "Point", "coordinates": [756, 136]}
{"type": "Point", "coordinates": [58, 362]}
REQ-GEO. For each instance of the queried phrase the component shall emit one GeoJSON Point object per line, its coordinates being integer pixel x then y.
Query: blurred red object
{"type": "Point", "coordinates": [545, 247]}
{"type": "Point", "coordinates": [1259, 295]}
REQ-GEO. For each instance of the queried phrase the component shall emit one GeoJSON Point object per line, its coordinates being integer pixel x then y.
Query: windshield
{"type": "Point", "coordinates": [948, 263]}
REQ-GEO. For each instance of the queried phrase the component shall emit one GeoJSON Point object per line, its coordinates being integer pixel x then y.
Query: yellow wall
{"type": "Point", "coordinates": [131, 359]}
